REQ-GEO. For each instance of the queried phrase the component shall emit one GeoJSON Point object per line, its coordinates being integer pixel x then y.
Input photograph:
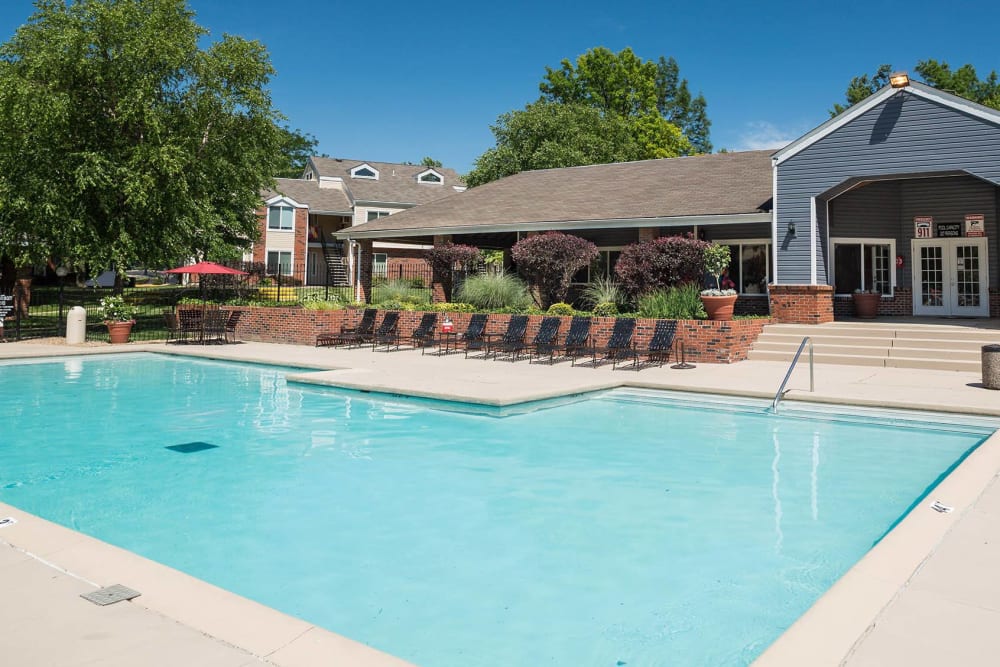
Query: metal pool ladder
{"type": "Point", "coordinates": [781, 390]}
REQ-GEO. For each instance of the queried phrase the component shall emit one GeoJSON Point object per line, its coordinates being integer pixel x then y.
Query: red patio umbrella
{"type": "Point", "coordinates": [207, 268]}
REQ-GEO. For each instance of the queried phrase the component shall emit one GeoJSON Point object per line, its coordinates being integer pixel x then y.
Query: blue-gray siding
{"type": "Point", "coordinates": [905, 134]}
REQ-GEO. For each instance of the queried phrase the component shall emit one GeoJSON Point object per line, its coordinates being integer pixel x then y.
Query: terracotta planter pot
{"type": "Point", "coordinates": [866, 304]}
{"type": "Point", "coordinates": [719, 307]}
{"type": "Point", "coordinates": [119, 331]}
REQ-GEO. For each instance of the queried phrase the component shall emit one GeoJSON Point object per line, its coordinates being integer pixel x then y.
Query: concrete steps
{"type": "Point", "coordinates": [898, 345]}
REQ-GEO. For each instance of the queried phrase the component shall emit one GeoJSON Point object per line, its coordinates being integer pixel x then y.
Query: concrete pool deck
{"type": "Point", "coordinates": [927, 594]}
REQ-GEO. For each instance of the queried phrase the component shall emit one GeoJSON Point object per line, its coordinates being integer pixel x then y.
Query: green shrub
{"type": "Point", "coordinates": [319, 304]}
{"type": "Point", "coordinates": [453, 308]}
{"type": "Point", "coordinates": [400, 305]}
{"type": "Point", "coordinates": [495, 291]}
{"type": "Point", "coordinates": [676, 303]}
{"type": "Point", "coordinates": [560, 308]}
{"type": "Point", "coordinates": [605, 309]}
{"type": "Point", "coordinates": [399, 291]}
{"type": "Point", "coordinates": [603, 290]}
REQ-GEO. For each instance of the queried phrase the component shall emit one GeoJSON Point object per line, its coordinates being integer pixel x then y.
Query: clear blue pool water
{"type": "Point", "coordinates": [612, 529]}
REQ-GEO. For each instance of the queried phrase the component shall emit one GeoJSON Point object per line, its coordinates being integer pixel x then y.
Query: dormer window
{"type": "Point", "coordinates": [430, 176]}
{"type": "Point", "coordinates": [365, 171]}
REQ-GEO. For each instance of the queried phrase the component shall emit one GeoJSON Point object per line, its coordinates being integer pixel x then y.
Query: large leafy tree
{"type": "Point", "coordinates": [963, 82]}
{"type": "Point", "coordinates": [605, 107]}
{"type": "Point", "coordinates": [296, 149]}
{"type": "Point", "coordinates": [124, 141]}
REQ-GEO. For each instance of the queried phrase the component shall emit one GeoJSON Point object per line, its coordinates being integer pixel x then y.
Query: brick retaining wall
{"type": "Point", "coordinates": [704, 341]}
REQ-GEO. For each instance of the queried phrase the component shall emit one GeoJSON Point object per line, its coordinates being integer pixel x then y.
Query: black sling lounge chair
{"type": "Point", "coordinates": [347, 335]}
{"type": "Point", "coordinates": [423, 335]}
{"type": "Point", "coordinates": [660, 345]}
{"type": "Point", "coordinates": [577, 343]}
{"type": "Point", "coordinates": [512, 342]}
{"type": "Point", "coordinates": [388, 331]}
{"type": "Point", "coordinates": [619, 345]}
{"type": "Point", "coordinates": [474, 337]}
{"type": "Point", "coordinates": [545, 341]}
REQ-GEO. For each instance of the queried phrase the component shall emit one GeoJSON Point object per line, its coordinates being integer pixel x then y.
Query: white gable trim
{"type": "Point", "coordinates": [425, 172]}
{"type": "Point", "coordinates": [916, 89]}
{"type": "Point", "coordinates": [365, 165]}
{"type": "Point", "coordinates": [282, 200]}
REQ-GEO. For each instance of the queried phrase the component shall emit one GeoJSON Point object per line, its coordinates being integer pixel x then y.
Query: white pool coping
{"type": "Point", "coordinates": [836, 630]}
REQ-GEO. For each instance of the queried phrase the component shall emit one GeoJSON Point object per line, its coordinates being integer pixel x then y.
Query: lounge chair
{"type": "Point", "coordinates": [474, 337]}
{"type": "Point", "coordinates": [545, 341]}
{"type": "Point", "coordinates": [577, 342]}
{"type": "Point", "coordinates": [619, 345]}
{"type": "Point", "coordinates": [423, 335]}
{"type": "Point", "coordinates": [388, 331]}
{"type": "Point", "coordinates": [660, 345]}
{"type": "Point", "coordinates": [347, 335]}
{"type": "Point", "coordinates": [512, 341]}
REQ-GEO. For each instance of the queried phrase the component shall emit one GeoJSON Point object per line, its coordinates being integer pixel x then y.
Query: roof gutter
{"type": "Point", "coordinates": [678, 221]}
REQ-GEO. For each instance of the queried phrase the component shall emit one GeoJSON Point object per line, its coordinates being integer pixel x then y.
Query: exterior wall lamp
{"type": "Point", "coordinates": [899, 80]}
{"type": "Point", "coordinates": [791, 229]}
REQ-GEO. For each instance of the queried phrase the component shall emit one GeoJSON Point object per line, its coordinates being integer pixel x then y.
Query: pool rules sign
{"type": "Point", "coordinates": [6, 305]}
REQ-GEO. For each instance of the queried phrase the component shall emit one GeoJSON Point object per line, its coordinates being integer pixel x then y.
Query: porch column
{"type": "Point", "coordinates": [437, 286]}
{"type": "Point", "coordinates": [363, 290]}
{"type": "Point", "coordinates": [648, 233]}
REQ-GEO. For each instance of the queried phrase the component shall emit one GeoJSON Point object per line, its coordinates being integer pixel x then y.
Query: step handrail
{"type": "Point", "coordinates": [791, 367]}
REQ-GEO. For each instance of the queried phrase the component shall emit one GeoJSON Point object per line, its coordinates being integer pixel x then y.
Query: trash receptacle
{"type": "Point", "coordinates": [76, 325]}
{"type": "Point", "coordinates": [991, 366]}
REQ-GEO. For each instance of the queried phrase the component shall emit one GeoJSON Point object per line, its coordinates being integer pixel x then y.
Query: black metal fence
{"type": "Point", "coordinates": [41, 310]}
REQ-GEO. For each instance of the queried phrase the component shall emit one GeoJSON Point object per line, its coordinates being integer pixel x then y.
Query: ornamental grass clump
{"type": "Point", "coordinates": [603, 291]}
{"type": "Point", "coordinates": [495, 291]}
{"type": "Point", "coordinates": [682, 302]}
{"type": "Point", "coordinates": [400, 291]}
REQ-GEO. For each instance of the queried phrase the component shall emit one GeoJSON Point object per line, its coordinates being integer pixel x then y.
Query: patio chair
{"type": "Point", "coordinates": [347, 335]}
{"type": "Point", "coordinates": [231, 323]}
{"type": "Point", "coordinates": [474, 337]}
{"type": "Point", "coordinates": [577, 342]}
{"type": "Point", "coordinates": [174, 331]}
{"type": "Point", "coordinates": [190, 320]}
{"type": "Point", "coordinates": [660, 345]}
{"type": "Point", "coordinates": [545, 341]}
{"type": "Point", "coordinates": [213, 328]}
{"type": "Point", "coordinates": [512, 341]}
{"type": "Point", "coordinates": [619, 345]}
{"type": "Point", "coordinates": [388, 331]}
{"type": "Point", "coordinates": [423, 335]}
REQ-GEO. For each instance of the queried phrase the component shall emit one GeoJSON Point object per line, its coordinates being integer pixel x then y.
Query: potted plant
{"type": "Point", "coordinates": [866, 303]}
{"type": "Point", "coordinates": [118, 316]}
{"type": "Point", "coordinates": [719, 302]}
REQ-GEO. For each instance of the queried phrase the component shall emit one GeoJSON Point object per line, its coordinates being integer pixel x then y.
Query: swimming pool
{"type": "Point", "coordinates": [603, 529]}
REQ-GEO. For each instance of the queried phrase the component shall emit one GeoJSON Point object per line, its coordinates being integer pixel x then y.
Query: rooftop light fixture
{"type": "Point", "coordinates": [899, 79]}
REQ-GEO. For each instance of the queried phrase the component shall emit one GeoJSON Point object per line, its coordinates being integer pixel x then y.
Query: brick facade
{"type": "Point", "coordinates": [801, 304]}
{"type": "Point", "coordinates": [901, 304]}
{"type": "Point", "coordinates": [704, 341]}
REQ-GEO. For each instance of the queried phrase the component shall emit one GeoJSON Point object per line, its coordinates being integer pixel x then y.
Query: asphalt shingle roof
{"type": "Point", "coordinates": [309, 192]}
{"type": "Point", "coordinates": [397, 183]}
{"type": "Point", "coordinates": [719, 184]}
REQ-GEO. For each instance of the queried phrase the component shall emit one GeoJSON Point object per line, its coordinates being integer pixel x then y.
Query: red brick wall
{"type": "Point", "coordinates": [258, 246]}
{"type": "Point", "coordinates": [704, 341]}
{"type": "Point", "coordinates": [801, 304]}
{"type": "Point", "coordinates": [901, 304]}
{"type": "Point", "coordinates": [301, 243]}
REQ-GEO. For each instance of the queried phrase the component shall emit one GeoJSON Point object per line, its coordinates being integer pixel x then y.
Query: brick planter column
{"type": "Point", "coordinates": [801, 304]}
{"type": "Point", "coordinates": [363, 290]}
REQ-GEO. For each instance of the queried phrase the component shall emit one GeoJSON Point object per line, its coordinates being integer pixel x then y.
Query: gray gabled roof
{"type": "Point", "coordinates": [319, 200]}
{"type": "Point", "coordinates": [724, 185]}
{"type": "Point", "coordinates": [397, 183]}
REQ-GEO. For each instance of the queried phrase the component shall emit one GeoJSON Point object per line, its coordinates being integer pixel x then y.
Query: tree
{"type": "Point", "coordinates": [125, 141]}
{"type": "Point", "coordinates": [445, 257]}
{"type": "Point", "coordinates": [606, 107]}
{"type": "Point", "coordinates": [547, 135]}
{"type": "Point", "coordinates": [963, 82]}
{"type": "Point", "coordinates": [661, 263]}
{"type": "Point", "coordinates": [296, 149]}
{"type": "Point", "coordinates": [549, 261]}
{"type": "Point", "coordinates": [431, 162]}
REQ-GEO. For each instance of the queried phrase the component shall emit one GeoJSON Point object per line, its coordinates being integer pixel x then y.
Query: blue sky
{"type": "Point", "coordinates": [395, 81]}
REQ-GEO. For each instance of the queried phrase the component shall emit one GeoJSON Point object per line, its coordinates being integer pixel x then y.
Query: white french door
{"type": "Point", "coordinates": [950, 277]}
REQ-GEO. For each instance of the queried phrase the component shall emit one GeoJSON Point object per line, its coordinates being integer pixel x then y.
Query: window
{"type": "Point", "coordinates": [749, 265]}
{"type": "Point", "coordinates": [380, 265]}
{"type": "Point", "coordinates": [281, 217]}
{"type": "Point", "coordinates": [863, 264]}
{"type": "Point", "coordinates": [602, 267]}
{"type": "Point", "coordinates": [365, 171]}
{"type": "Point", "coordinates": [279, 261]}
{"type": "Point", "coordinates": [375, 215]}
{"type": "Point", "coordinates": [429, 176]}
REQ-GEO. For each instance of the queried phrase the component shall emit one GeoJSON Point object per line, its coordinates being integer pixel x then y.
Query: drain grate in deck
{"type": "Point", "coordinates": [110, 595]}
{"type": "Point", "coordinates": [191, 447]}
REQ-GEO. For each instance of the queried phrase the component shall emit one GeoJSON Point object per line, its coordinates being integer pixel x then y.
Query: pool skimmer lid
{"type": "Point", "coordinates": [110, 595]}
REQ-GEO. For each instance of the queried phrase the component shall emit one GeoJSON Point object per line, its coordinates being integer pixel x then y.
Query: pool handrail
{"type": "Point", "coordinates": [791, 367]}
